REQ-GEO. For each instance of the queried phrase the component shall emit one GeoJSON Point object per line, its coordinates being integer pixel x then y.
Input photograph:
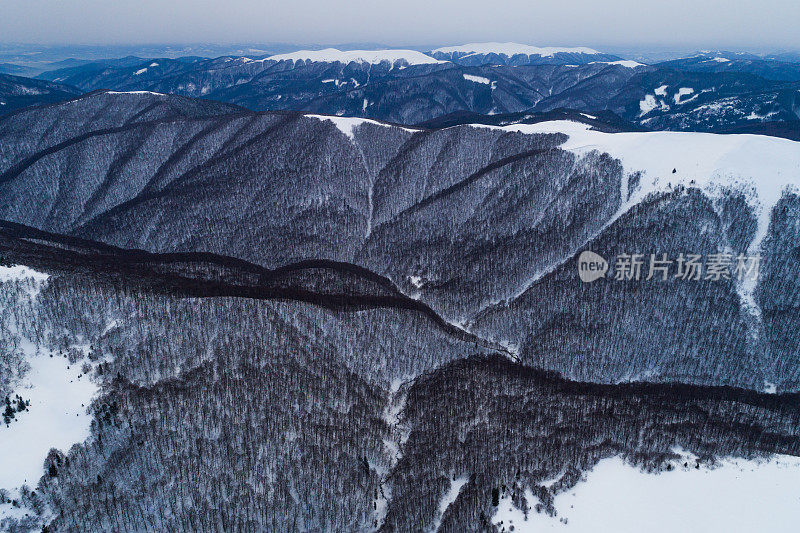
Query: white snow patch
{"type": "Point", "coordinates": [56, 418]}
{"type": "Point", "coordinates": [622, 62]}
{"type": "Point", "coordinates": [417, 282]}
{"type": "Point", "coordinates": [719, 60]}
{"type": "Point", "coordinates": [391, 415]}
{"type": "Point", "coordinates": [449, 497]}
{"type": "Point", "coordinates": [510, 347]}
{"type": "Point", "coordinates": [661, 91]}
{"type": "Point", "coordinates": [650, 103]}
{"type": "Point", "coordinates": [140, 71]}
{"type": "Point", "coordinates": [755, 116]}
{"type": "Point", "coordinates": [333, 55]}
{"type": "Point", "coordinates": [336, 82]}
{"type": "Point", "coordinates": [512, 49]}
{"type": "Point", "coordinates": [683, 91]}
{"type": "Point", "coordinates": [392, 445]}
{"type": "Point", "coordinates": [113, 324]}
{"type": "Point", "coordinates": [27, 90]}
{"type": "Point", "coordinates": [396, 403]}
{"type": "Point", "coordinates": [21, 273]}
{"type": "Point", "coordinates": [736, 496]}
{"type": "Point", "coordinates": [508, 515]}
{"type": "Point", "coordinates": [153, 65]}
{"type": "Point", "coordinates": [141, 92]}
{"type": "Point", "coordinates": [477, 79]}
{"type": "Point", "coordinates": [8, 511]}
{"type": "Point", "coordinates": [347, 125]}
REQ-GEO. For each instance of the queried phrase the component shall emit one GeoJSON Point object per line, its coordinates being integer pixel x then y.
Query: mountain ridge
{"type": "Point", "coordinates": [414, 206]}
{"type": "Point", "coordinates": [712, 98]}
{"type": "Point", "coordinates": [220, 318]}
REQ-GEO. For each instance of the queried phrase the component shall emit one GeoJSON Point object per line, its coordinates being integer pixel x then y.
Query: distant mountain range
{"type": "Point", "coordinates": [18, 70]}
{"type": "Point", "coordinates": [475, 54]}
{"type": "Point", "coordinates": [721, 62]}
{"type": "Point", "coordinates": [17, 92]}
{"type": "Point", "coordinates": [711, 91]}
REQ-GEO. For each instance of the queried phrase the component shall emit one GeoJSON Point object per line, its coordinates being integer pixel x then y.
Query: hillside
{"type": "Point", "coordinates": [438, 212]}
{"type": "Point", "coordinates": [220, 319]}
{"type": "Point", "coordinates": [17, 92]}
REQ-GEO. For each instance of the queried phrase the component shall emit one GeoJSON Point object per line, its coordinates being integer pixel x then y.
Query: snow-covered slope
{"type": "Point", "coordinates": [347, 125]}
{"type": "Point", "coordinates": [57, 417]}
{"type": "Point", "coordinates": [518, 54]}
{"type": "Point", "coordinates": [512, 49]}
{"type": "Point", "coordinates": [374, 57]}
{"type": "Point", "coordinates": [737, 495]}
{"type": "Point", "coordinates": [55, 392]}
{"type": "Point", "coordinates": [762, 167]}
{"type": "Point", "coordinates": [757, 170]}
{"type": "Point", "coordinates": [623, 63]}
{"type": "Point", "coordinates": [19, 273]}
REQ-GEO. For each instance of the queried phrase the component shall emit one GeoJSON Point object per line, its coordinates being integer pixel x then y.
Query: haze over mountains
{"type": "Point", "coordinates": [338, 290]}
{"type": "Point", "coordinates": [711, 91]}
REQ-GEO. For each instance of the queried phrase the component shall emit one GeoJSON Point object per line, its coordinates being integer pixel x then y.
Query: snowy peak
{"type": "Point", "coordinates": [373, 57]}
{"type": "Point", "coordinates": [627, 63]}
{"type": "Point", "coordinates": [512, 49]}
{"type": "Point", "coordinates": [725, 54]}
{"type": "Point", "coordinates": [517, 54]}
{"type": "Point", "coordinates": [766, 166]}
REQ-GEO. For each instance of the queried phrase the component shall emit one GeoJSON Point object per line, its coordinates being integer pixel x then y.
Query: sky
{"type": "Point", "coordinates": [729, 24]}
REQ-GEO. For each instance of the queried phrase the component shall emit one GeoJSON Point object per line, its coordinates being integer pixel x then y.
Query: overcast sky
{"type": "Point", "coordinates": [740, 24]}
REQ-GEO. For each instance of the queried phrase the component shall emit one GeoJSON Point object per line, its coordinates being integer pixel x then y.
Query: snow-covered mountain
{"type": "Point", "coordinates": [518, 54]}
{"type": "Point", "coordinates": [389, 210]}
{"type": "Point", "coordinates": [17, 92]}
{"type": "Point", "coordinates": [719, 62]}
{"type": "Point", "coordinates": [372, 57]}
{"type": "Point", "coordinates": [339, 324]}
{"type": "Point", "coordinates": [704, 93]}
